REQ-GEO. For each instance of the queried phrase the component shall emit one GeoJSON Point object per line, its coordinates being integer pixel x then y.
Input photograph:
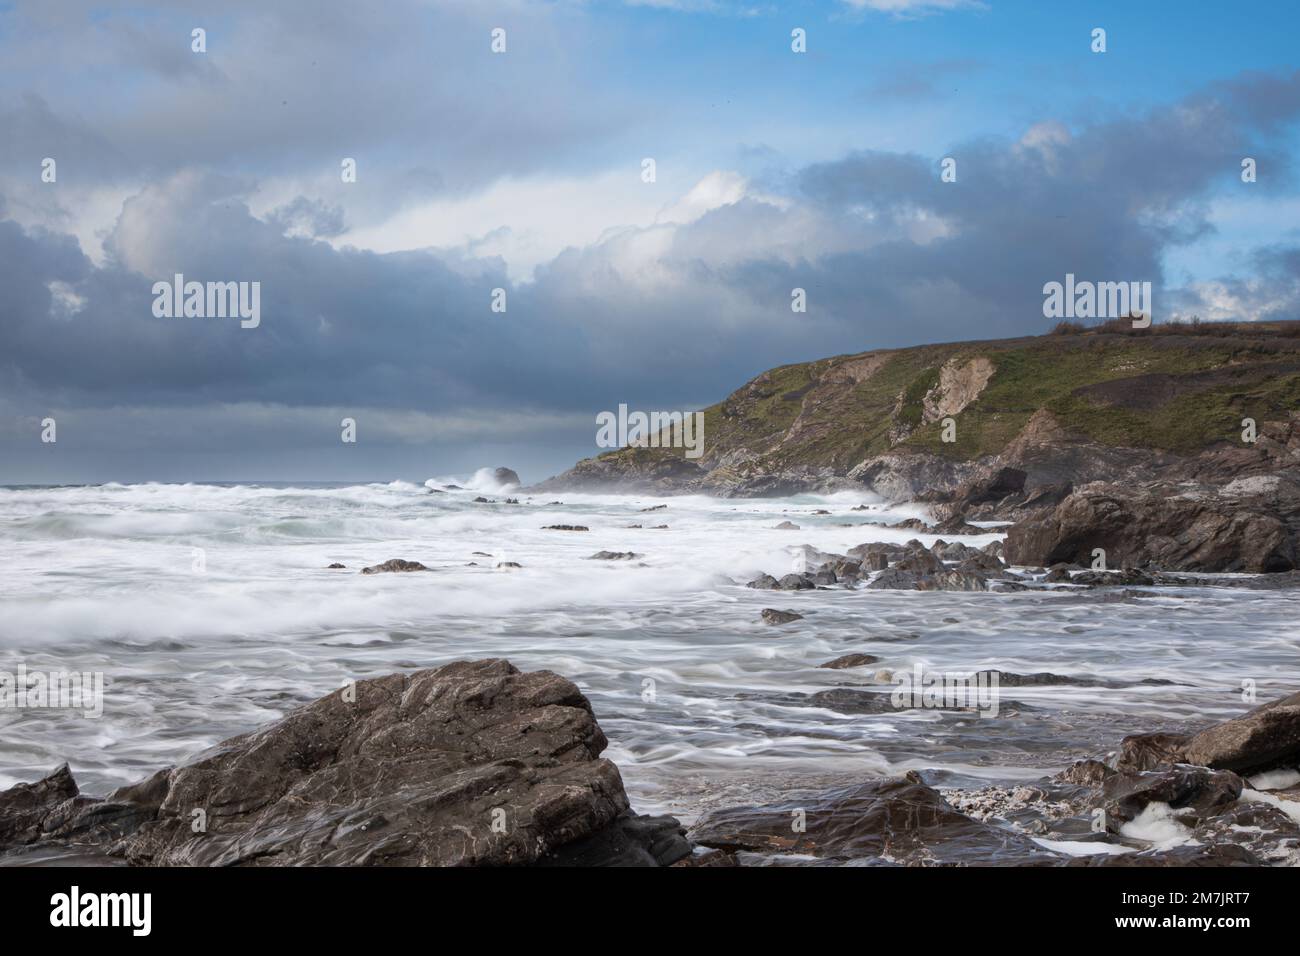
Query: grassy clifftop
{"type": "Point", "coordinates": [1172, 388]}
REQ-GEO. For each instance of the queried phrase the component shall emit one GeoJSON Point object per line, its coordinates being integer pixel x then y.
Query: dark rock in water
{"type": "Point", "coordinates": [655, 508]}
{"type": "Point", "coordinates": [565, 527]}
{"type": "Point", "coordinates": [631, 840]}
{"type": "Point", "coordinates": [764, 582]}
{"type": "Point", "coordinates": [1125, 578]}
{"type": "Point", "coordinates": [876, 561]}
{"type": "Point", "coordinates": [393, 565]}
{"type": "Point", "coordinates": [508, 565]}
{"type": "Point", "coordinates": [615, 556]}
{"type": "Point", "coordinates": [1250, 524]}
{"type": "Point", "coordinates": [795, 582]}
{"type": "Point", "coordinates": [1258, 740]}
{"type": "Point", "coordinates": [480, 554]}
{"type": "Point", "coordinates": [824, 578]}
{"type": "Point", "coordinates": [900, 818]}
{"type": "Point", "coordinates": [1150, 751]}
{"type": "Point", "coordinates": [920, 562]}
{"type": "Point", "coordinates": [957, 525]}
{"type": "Point", "coordinates": [455, 488]}
{"type": "Point", "coordinates": [953, 580]}
{"type": "Point", "coordinates": [512, 501]}
{"type": "Point", "coordinates": [851, 660]}
{"type": "Point", "coordinates": [1088, 773]}
{"type": "Point", "coordinates": [1219, 854]}
{"type": "Point", "coordinates": [505, 476]}
{"type": "Point", "coordinates": [482, 501]}
{"type": "Point", "coordinates": [979, 561]}
{"type": "Point", "coordinates": [772, 616]}
{"type": "Point", "coordinates": [1194, 791]}
{"type": "Point", "coordinates": [786, 526]}
{"type": "Point", "coordinates": [895, 579]}
{"type": "Point", "coordinates": [1058, 575]}
{"type": "Point", "coordinates": [336, 566]}
{"type": "Point", "coordinates": [472, 763]}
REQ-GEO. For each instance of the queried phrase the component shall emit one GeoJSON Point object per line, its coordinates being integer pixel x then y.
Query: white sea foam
{"type": "Point", "coordinates": [102, 579]}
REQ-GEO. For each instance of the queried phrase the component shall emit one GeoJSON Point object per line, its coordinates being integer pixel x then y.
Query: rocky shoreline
{"type": "Point", "coordinates": [476, 764]}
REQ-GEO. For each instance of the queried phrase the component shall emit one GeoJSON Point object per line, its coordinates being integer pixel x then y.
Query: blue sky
{"type": "Point", "coordinates": [522, 171]}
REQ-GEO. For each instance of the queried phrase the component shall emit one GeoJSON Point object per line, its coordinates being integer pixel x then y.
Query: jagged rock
{"type": "Point", "coordinates": [1088, 773]}
{"type": "Point", "coordinates": [394, 565]}
{"type": "Point", "coordinates": [1243, 526]}
{"type": "Point", "coordinates": [773, 616]}
{"type": "Point", "coordinates": [851, 660]}
{"type": "Point", "coordinates": [471, 763]}
{"type": "Point", "coordinates": [1257, 740]}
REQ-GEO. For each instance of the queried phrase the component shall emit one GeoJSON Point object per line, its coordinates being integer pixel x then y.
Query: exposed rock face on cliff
{"type": "Point", "coordinates": [1130, 408]}
{"type": "Point", "coordinates": [469, 764]}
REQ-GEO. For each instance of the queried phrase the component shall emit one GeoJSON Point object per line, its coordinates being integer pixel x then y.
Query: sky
{"type": "Point", "coordinates": [525, 171]}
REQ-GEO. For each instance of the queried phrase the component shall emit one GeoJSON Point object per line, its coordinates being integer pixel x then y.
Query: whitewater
{"type": "Point", "coordinates": [211, 611]}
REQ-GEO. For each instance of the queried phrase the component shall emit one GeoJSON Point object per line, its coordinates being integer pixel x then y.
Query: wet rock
{"type": "Point", "coordinates": [1150, 751]}
{"type": "Point", "coordinates": [920, 562]}
{"type": "Point", "coordinates": [957, 525]}
{"type": "Point", "coordinates": [953, 580]}
{"type": "Point", "coordinates": [1258, 740]}
{"type": "Point", "coordinates": [824, 578]}
{"type": "Point", "coordinates": [565, 527]}
{"type": "Point", "coordinates": [655, 508]}
{"type": "Point", "coordinates": [876, 561]}
{"type": "Point", "coordinates": [786, 526]}
{"type": "Point", "coordinates": [505, 476]}
{"type": "Point", "coordinates": [764, 582]}
{"type": "Point", "coordinates": [507, 565]}
{"type": "Point", "coordinates": [480, 500]}
{"type": "Point", "coordinates": [795, 582]}
{"type": "Point", "coordinates": [1123, 578]}
{"type": "Point", "coordinates": [900, 818]}
{"type": "Point", "coordinates": [1223, 854]}
{"type": "Point", "coordinates": [631, 840]}
{"type": "Point", "coordinates": [773, 616]}
{"type": "Point", "coordinates": [615, 556]}
{"type": "Point", "coordinates": [27, 808]}
{"type": "Point", "coordinates": [894, 579]}
{"type": "Point", "coordinates": [851, 660]}
{"type": "Point", "coordinates": [394, 565]}
{"type": "Point", "coordinates": [1087, 773]}
{"type": "Point", "coordinates": [336, 566]}
{"type": "Point", "coordinates": [1194, 791]}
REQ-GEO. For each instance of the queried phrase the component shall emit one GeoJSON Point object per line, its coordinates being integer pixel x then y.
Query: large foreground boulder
{"type": "Point", "coordinates": [469, 764]}
{"type": "Point", "coordinates": [1248, 525]}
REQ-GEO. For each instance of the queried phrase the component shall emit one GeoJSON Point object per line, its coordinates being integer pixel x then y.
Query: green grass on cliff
{"type": "Point", "coordinates": [1167, 390]}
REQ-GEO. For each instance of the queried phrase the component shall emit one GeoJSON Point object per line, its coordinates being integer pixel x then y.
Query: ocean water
{"type": "Point", "coordinates": [703, 703]}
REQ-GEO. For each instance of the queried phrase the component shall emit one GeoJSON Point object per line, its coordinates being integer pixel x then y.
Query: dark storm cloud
{"type": "Point", "coordinates": [667, 314]}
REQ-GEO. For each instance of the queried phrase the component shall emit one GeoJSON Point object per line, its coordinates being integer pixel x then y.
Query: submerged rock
{"type": "Point", "coordinates": [851, 660]}
{"type": "Point", "coordinates": [565, 527]}
{"type": "Point", "coordinates": [394, 565]}
{"type": "Point", "coordinates": [615, 556]}
{"type": "Point", "coordinates": [771, 615]}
